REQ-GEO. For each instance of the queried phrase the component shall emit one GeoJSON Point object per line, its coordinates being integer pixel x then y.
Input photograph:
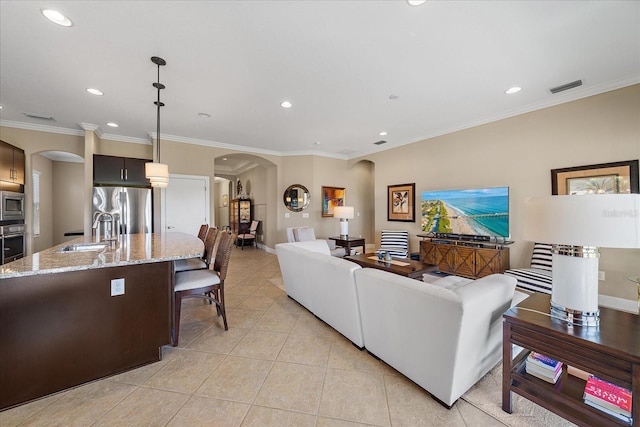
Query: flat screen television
{"type": "Point", "coordinates": [475, 212]}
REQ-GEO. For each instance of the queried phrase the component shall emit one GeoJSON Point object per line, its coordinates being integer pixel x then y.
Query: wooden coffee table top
{"type": "Point", "coordinates": [414, 269]}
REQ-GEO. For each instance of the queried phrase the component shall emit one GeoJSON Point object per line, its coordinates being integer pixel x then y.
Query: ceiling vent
{"type": "Point", "coordinates": [382, 141]}
{"type": "Point", "coordinates": [38, 116]}
{"type": "Point", "coordinates": [566, 86]}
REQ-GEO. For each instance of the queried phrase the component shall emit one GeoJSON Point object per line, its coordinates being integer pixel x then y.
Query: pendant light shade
{"type": "Point", "coordinates": [157, 173]}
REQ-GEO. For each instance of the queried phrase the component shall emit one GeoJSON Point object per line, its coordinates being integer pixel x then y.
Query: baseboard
{"type": "Point", "coordinates": [616, 303]}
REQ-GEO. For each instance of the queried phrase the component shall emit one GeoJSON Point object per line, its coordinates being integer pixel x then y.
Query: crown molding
{"type": "Point", "coordinates": [552, 101]}
{"type": "Point", "coordinates": [41, 128]}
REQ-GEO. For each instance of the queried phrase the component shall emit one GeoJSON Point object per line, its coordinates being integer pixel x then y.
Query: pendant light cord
{"type": "Point", "coordinates": [158, 61]}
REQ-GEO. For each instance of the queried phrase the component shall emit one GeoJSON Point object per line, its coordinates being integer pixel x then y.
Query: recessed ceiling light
{"type": "Point", "coordinates": [383, 133]}
{"type": "Point", "coordinates": [204, 115]}
{"type": "Point", "coordinates": [93, 91]}
{"type": "Point", "coordinates": [514, 89]}
{"type": "Point", "coordinates": [1, 107]}
{"type": "Point", "coordinates": [56, 17]}
{"type": "Point", "coordinates": [416, 2]}
{"type": "Point", "coordinates": [286, 104]}
{"type": "Point", "coordinates": [112, 124]}
{"type": "Point", "coordinates": [317, 143]}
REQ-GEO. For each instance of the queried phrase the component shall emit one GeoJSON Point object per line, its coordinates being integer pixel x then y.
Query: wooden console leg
{"type": "Point", "coordinates": [507, 355]}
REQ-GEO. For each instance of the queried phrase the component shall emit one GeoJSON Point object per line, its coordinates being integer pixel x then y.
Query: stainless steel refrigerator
{"type": "Point", "coordinates": [134, 206]}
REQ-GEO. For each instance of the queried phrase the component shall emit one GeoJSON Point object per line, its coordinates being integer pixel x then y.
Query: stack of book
{"type": "Point", "coordinates": [543, 367]}
{"type": "Point", "coordinates": [609, 398]}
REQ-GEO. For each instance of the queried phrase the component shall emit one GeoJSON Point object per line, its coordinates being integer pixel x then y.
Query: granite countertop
{"type": "Point", "coordinates": [131, 249]}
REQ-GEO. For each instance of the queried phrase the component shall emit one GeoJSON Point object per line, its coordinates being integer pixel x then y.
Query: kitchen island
{"type": "Point", "coordinates": [75, 313]}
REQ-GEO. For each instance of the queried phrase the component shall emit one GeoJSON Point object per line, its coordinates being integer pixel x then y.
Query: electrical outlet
{"type": "Point", "coordinates": [305, 215]}
{"type": "Point", "coordinates": [286, 215]}
{"type": "Point", "coordinates": [117, 287]}
{"type": "Point", "coordinates": [601, 276]}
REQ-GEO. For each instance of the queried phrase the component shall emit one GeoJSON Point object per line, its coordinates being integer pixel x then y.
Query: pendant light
{"type": "Point", "coordinates": [156, 172]}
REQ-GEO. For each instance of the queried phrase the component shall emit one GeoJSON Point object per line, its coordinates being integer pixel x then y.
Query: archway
{"type": "Point", "coordinates": [247, 176]}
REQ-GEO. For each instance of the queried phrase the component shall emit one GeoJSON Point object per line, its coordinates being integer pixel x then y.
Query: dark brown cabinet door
{"type": "Point", "coordinates": [11, 163]}
{"type": "Point", "coordinates": [18, 166]}
{"type": "Point", "coordinates": [6, 161]}
{"type": "Point", "coordinates": [111, 170]}
{"type": "Point", "coordinates": [134, 172]}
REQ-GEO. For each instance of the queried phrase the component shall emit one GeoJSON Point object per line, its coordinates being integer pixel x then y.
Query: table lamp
{"type": "Point", "coordinates": [345, 213]}
{"type": "Point", "coordinates": [581, 224]}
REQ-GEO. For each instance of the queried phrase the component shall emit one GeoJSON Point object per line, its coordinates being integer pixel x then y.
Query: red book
{"type": "Point", "coordinates": [608, 395]}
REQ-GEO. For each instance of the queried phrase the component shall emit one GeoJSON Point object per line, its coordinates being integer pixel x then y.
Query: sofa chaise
{"type": "Point", "coordinates": [444, 335]}
{"type": "Point", "coordinates": [323, 284]}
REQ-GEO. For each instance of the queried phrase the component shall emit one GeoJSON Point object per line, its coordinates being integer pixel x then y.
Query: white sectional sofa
{"type": "Point", "coordinates": [443, 338]}
{"type": "Point", "coordinates": [444, 335]}
{"type": "Point", "coordinates": [324, 284]}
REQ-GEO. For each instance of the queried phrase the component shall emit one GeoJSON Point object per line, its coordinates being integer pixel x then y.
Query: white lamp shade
{"type": "Point", "coordinates": [156, 170]}
{"type": "Point", "coordinates": [157, 173]}
{"type": "Point", "coordinates": [601, 220]}
{"type": "Point", "coordinates": [345, 212]}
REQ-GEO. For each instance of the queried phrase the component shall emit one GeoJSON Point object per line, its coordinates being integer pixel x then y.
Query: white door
{"type": "Point", "coordinates": [186, 203]}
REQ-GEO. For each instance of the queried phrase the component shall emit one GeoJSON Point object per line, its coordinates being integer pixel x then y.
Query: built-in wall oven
{"type": "Point", "coordinates": [12, 206]}
{"type": "Point", "coordinates": [11, 242]}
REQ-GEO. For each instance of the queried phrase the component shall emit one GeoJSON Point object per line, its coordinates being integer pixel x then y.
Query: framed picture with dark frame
{"type": "Point", "coordinates": [603, 178]}
{"type": "Point", "coordinates": [331, 197]}
{"type": "Point", "coordinates": [401, 202]}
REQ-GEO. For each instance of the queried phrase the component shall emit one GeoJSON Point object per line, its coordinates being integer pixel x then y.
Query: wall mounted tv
{"type": "Point", "coordinates": [476, 212]}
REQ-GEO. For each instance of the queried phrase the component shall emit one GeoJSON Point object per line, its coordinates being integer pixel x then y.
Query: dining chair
{"type": "Point", "coordinates": [206, 283]}
{"type": "Point", "coordinates": [195, 263]}
{"type": "Point", "coordinates": [250, 235]}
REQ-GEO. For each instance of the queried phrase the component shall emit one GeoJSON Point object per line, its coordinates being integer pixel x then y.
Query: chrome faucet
{"type": "Point", "coordinates": [110, 223]}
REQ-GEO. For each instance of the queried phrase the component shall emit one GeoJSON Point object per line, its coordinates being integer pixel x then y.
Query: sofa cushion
{"type": "Point", "coordinates": [449, 282]}
{"type": "Point", "coordinates": [304, 234]}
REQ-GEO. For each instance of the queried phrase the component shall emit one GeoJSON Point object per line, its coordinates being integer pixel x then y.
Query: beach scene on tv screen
{"type": "Point", "coordinates": [481, 211]}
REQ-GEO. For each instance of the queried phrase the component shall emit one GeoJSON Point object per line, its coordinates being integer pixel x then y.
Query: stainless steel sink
{"type": "Point", "coordinates": [83, 247]}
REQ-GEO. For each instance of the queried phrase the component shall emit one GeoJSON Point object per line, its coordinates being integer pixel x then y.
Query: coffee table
{"type": "Point", "coordinates": [412, 268]}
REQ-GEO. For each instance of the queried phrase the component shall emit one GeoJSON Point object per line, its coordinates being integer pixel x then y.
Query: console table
{"type": "Point", "coordinates": [468, 258]}
{"type": "Point", "coordinates": [348, 242]}
{"type": "Point", "coordinates": [610, 351]}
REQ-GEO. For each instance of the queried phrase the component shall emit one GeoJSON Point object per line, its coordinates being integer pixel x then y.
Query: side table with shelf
{"type": "Point", "coordinates": [610, 351]}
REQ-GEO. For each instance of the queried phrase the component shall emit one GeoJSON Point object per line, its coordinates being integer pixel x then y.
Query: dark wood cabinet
{"type": "Point", "coordinates": [11, 164]}
{"type": "Point", "coordinates": [463, 258]}
{"type": "Point", "coordinates": [112, 170]}
{"type": "Point", "coordinates": [240, 215]}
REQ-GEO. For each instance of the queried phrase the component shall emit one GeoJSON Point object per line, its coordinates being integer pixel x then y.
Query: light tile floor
{"type": "Point", "coordinates": [277, 365]}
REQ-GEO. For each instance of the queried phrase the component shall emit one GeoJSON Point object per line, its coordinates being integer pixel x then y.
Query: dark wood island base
{"type": "Point", "coordinates": [65, 329]}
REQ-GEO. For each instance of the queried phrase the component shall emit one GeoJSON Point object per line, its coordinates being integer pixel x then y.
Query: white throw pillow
{"type": "Point", "coordinates": [304, 234]}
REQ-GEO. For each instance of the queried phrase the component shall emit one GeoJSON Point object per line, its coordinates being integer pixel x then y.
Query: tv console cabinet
{"type": "Point", "coordinates": [610, 351]}
{"type": "Point", "coordinates": [467, 258]}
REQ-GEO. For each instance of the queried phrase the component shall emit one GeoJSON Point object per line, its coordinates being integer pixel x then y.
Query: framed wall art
{"type": "Point", "coordinates": [604, 178]}
{"type": "Point", "coordinates": [331, 197]}
{"type": "Point", "coordinates": [401, 202]}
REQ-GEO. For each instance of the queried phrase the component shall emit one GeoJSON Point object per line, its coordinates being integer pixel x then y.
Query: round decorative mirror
{"type": "Point", "coordinates": [296, 197]}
